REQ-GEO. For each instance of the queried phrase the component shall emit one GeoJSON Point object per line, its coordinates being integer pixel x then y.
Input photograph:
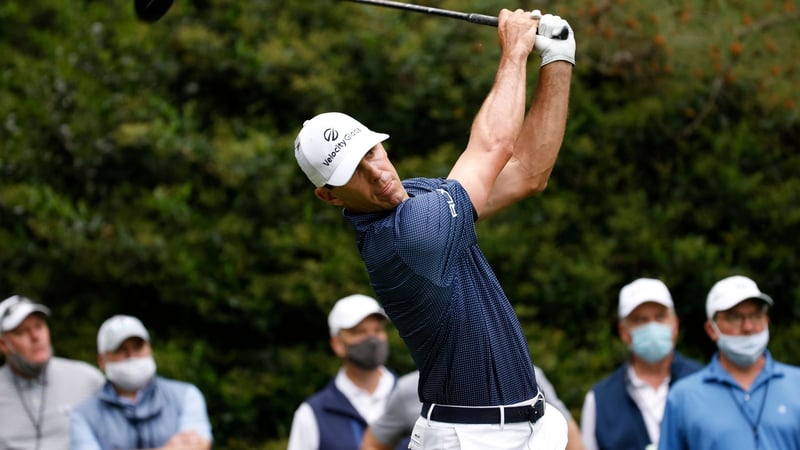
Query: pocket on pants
{"type": "Point", "coordinates": [433, 437]}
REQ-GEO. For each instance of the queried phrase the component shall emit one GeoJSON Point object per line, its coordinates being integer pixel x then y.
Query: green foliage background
{"type": "Point", "coordinates": [147, 169]}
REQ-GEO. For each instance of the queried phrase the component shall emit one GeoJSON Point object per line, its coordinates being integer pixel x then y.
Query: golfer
{"type": "Point", "coordinates": [418, 241]}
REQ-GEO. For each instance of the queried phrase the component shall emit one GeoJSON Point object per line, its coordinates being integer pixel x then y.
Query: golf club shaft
{"type": "Point", "coordinates": [469, 17]}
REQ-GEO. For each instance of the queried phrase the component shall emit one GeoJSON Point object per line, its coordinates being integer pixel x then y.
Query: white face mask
{"type": "Point", "coordinates": [744, 350]}
{"type": "Point", "coordinates": [131, 374]}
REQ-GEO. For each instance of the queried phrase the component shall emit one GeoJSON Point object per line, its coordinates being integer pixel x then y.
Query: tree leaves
{"type": "Point", "coordinates": [148, 169]}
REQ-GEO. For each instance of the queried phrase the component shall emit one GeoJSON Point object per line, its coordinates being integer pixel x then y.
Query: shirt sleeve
{"type": "Point", "coordinates": [588, 419]}
{"type": "Point", "coordinates": [194, 415]}
{"type": "Point", "coordinates": [81, 435]}
{"type": "Point", "coordinates": [434, 229]}
{"type": "Point", "coordinates": [304, 434]}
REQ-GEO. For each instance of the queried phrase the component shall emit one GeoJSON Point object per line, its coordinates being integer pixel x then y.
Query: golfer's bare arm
{"type": "Point", "coordinates": [499, 121]}
{"type": "Point", "coordinates": [536, 149]}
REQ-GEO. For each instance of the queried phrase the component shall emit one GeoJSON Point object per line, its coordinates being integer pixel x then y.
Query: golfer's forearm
{"type": "Point", "coordinates": [539, 142]}
{"type": "Point", "coordinates": [500, 118]}
{"type": "Point", "coordinates": [493, 134]}
{"type": "Point", "coordinates": [542, 133]}
{"type": "Point", "coordinates": [543, 130]}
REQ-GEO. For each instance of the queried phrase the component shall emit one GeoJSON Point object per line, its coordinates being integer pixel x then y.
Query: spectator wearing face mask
{"type": "Point", "coordinates": [743, 399]}
{"type": "Point", "coordinates": [624, 410]}
{"type": "Point", "coordinates": [337, 416]}
{"type": "Point", "coordinates": [137, 409]}
{"type": "Point", "coordinates": [37, 389]}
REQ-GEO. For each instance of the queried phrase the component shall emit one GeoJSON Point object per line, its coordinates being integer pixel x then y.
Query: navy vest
{"type": "Point", "coordinates": [619, 423]}
{"type": "Point", "coordinates": [341, 427]}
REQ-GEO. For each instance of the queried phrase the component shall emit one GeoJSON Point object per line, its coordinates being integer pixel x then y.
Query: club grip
{"type": "Point", "coordinates": [482, 19]}
{"type": "Point", "coordinates": [491, 21]}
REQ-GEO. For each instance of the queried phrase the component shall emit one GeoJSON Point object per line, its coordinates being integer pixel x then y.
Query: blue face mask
{"type": "Point", "coordinates": [743, 351]}
{"type": "Point", "coordinates": [652, 342]}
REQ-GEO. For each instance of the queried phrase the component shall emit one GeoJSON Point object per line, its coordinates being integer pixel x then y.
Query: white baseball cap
{"type": "Point", "coordinates": [641, 291]}
{"type": "Point", "coordinates": [115, 330]}
{"type": "Point", "coordinates": [729, 292]}
{"type": "Point", "coordinates": [351, 310]}
{"type": "Point", "coordinates": [15, 309]}
{"type": "Point", "coordinates": [330, 146]}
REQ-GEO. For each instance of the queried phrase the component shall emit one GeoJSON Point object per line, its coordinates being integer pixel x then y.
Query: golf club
{"type": "Point", "coordinates": [469, 17]}
{"type": "Point", "coordinates": [152, 10]}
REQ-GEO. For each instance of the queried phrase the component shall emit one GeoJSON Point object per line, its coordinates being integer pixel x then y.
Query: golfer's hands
{"type": "Point", "coordinates": [517, 32]}
{"type": "Point", "coordinates": [551, 48]}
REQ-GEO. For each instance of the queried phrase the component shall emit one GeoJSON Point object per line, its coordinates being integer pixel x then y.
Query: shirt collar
{"type": "Point", "coordinates": [350, 390]}
{"type": "Point", "coordinates": [639, 384]}
{"type": "Point", "coordinates": [717, 374]}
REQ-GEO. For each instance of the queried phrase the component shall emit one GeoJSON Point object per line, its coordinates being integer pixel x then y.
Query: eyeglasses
{"type": "Point", "coordinates": [736, 320]}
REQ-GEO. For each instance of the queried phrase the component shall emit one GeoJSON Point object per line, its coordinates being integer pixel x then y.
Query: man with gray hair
{"type": "Point", "coordinates": [37, 390]}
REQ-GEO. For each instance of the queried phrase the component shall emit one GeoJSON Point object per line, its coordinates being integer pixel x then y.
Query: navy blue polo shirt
{"type": "Point", "coordinates": [435, 284]}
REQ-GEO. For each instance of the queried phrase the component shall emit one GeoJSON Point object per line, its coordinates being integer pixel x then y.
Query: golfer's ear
{"type": "Point", "coordinates": [326, 195]}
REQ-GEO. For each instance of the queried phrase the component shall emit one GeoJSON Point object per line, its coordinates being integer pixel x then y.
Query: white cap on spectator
{"type": "Point", "coordinates": [641, 291]}
{"type": "Point", "coordinates": [115, 330]}
{"type": "Point", "coordinates": [17, 308]}
{"type": "Point", "coordinates": [729, 292]}
{"type": "Point", "coordinates": [351, 310]}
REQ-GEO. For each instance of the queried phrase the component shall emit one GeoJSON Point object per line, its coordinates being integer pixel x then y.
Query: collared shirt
{"type": "Point", "coordinates": [650, 401]}
{"type": "Point", "coordinates": [612, 419]}
{"type": "Point", "coordinates": [163, 408]}
{"type": "Point", "coordinates": [710, 411]}
{"type": "Point", "coordinates": [437, 287]}
{"type": "Point", "coordinates": [66, 383]}
{"type": "Point", "coordinates": [304, 434]}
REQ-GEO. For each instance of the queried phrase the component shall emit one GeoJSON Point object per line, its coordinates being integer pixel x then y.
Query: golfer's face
{"type": "Point", "coordinates": [374, 186]}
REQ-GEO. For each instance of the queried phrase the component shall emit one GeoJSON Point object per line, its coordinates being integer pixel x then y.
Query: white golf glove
{"type": "Point", "coordinates": [551, 48]}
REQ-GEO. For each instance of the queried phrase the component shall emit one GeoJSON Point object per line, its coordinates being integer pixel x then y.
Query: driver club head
{"type": "Point", "coordinates": [151, 10]}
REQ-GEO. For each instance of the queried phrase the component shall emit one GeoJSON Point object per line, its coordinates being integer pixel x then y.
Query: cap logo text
{"type": "Point", "coordinates": [331, 135]}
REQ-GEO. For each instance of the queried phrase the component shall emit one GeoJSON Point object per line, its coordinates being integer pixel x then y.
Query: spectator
{"type": "Point", "coordinates": [37, 389]}
{"type": "Point", "coordinates": [418, 241]}
{"type": "Point", "coordinates": [336, 416]}
{"type": "Point", "coordinates": [136, 409]}
{"type": "Point", "coordinates": [404, 408]}
{"type": "Point", "coordinates": [624, 410]}
{"type": "Point", "coordinates": [743, 399]}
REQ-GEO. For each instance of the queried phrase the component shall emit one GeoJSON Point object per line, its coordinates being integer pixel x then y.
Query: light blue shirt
{"type": "Point", "coordinates": [162, 409]}
{"type": "Point", "coordinates": [709, 411]}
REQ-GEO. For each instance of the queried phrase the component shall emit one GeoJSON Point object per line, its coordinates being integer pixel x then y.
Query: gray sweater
{"type": "Point", "coordinates": [66, 383]}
